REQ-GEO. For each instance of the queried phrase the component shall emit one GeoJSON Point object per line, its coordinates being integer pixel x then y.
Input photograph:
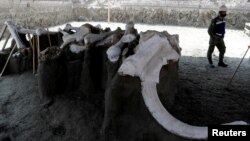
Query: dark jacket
{"type": "Point", "coordinates": [217, 28]}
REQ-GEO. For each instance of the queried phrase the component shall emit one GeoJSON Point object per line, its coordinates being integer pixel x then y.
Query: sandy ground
{"type": "Point", "coordinates": [75, 116]}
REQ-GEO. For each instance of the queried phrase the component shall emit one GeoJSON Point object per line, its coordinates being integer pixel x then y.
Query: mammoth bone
{"type": "Point", "coordinates": [15, 30]}
{"type": "Point", "coordinates": [153, 52]}
{"type": "Point", "coordinates": [81, 38]}
{"type": "Point", "coordinates": [130, 35]}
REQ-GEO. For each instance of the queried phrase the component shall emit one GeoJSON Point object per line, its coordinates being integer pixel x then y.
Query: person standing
{"type": "Point", "coordinates": [216, 32]}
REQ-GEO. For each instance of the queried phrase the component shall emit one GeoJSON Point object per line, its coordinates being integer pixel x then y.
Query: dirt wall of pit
{"type": "Point", "coordinates": [50, 13]}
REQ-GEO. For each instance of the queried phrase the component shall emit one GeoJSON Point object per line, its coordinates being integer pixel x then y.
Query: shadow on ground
{"type": "Point", "coordinates": [202, 100]}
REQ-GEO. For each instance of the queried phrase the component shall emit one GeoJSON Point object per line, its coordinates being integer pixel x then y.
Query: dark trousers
{"type": "Point", "coordinates": [219, 43]}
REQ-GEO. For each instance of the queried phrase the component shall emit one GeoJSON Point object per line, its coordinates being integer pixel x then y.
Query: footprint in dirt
{"type": "Point", "coordinates": [58, 130]}
{"type": "Point", "coordinates": [3, 128]}
{"type": "Point", "coordinates": [4, 109]}
{"type": "Point", "coordinates": [6, 138]}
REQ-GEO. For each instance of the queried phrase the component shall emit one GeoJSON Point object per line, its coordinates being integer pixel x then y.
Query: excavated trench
{"type": "Point", "coordinates": [73, 94]}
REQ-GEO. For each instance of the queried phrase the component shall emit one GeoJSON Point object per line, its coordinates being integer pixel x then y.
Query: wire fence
{"type": "Point", "coordinates": [239, 5]}
{"type": "Point", "coordinates": [195, 4]}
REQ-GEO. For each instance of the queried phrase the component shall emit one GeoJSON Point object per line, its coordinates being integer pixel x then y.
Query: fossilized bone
{"type": "Point", "coordinates": [152, 54]}
{"type": "Point", "coordinates": [77, 48]}
{"type": "Point", "coordinates": [67, 42]}
{"type": "Point", "coordinates": [38, 31]}
{"type": "Point", "coordinates": [6, 41]}
{"type": "Point", "coordinates": [3, 31]}
{"type": "Point", "coordinates": [169, 122]}
{"type": "Point", "coordinates": [83, 34]}
{"type": "Point", "coordinates": [93, 29]}
{"type": "Point", "coordinates": [93, 38]}
{"type": "Point", "coordinates": [69, 28]}
{"type": "Point", "coordinates": [173, 39]}
{"type": "Point", "coordinates": [14, 33]}
{"type": "Point", "coordinates": [114, 51]}
{"type": "Point", "coordinates": [111, 39]}
{"type": "Point", "coordinates": [77, 36]}
{"type": "Point", "coordinates": [79, 32]}
{"type": "Point", "coordinates": [15, 30]}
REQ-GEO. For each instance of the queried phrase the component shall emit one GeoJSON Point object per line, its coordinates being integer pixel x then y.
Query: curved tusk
{"type": "Point", "coordinates": [167, 121]}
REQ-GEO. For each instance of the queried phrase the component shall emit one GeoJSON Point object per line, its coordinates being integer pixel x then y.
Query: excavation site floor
{"type": "Point", "coordinates": [202, 98]}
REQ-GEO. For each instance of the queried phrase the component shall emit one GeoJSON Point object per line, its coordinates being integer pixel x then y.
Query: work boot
{"type": "Point", "coordinates": [210, 62]}
{"type": "Point", "coordinates": [222, 64]}
{"type": "Point", "coordinates": [211, 65]}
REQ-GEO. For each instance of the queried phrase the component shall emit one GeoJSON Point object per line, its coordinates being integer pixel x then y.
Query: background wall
{"type": "Point", "coordinates": [176, 12]}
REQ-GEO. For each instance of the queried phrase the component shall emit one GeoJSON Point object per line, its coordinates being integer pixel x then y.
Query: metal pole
{"type": "Point", "coordinates": [32, 45]}
{"type": "Point", "coordinates": [48, 34]}
{"type": "Point", "coordinates": [238, 67]}
{"type": "Point", "coordinates": [38, 49]}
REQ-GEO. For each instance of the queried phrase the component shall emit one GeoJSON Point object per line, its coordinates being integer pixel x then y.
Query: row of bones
{"type": "Point", "coordinates": [79, 40]}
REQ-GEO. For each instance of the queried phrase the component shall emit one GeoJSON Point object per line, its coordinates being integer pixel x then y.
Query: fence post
{"type": "Point", "coordinates": [108, 11]}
